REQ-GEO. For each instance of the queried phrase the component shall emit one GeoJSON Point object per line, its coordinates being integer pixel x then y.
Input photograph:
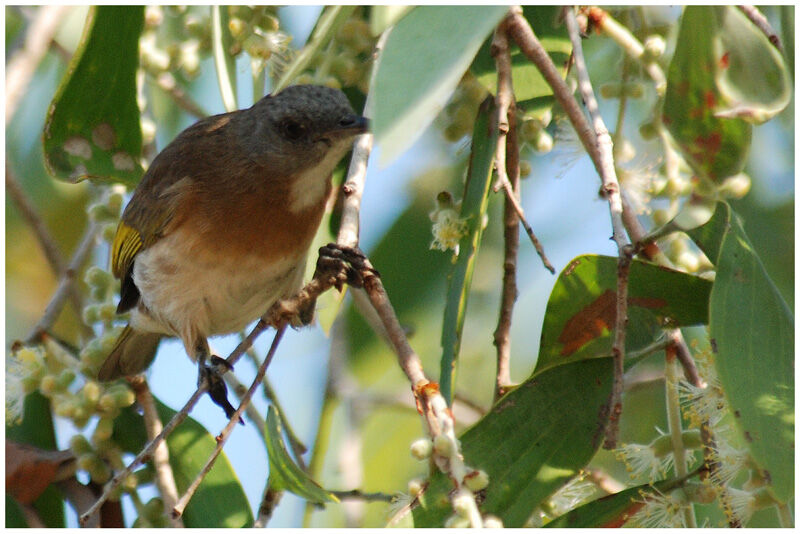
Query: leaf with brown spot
{"type": "Point", "coordinates": [29, 470]}
{"type": "Point", "coordinates": [581, 311]}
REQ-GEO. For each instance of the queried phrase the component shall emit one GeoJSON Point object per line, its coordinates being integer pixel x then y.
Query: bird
{"type": "Point", "coordinates": [219, 227]}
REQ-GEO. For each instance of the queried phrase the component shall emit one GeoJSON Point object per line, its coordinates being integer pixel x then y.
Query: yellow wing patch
{"type": "Point", "coordinates": [127, 242]}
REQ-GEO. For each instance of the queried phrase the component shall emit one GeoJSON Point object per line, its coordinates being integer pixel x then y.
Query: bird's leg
{"type": "Point", "coordinates": [212, 375]}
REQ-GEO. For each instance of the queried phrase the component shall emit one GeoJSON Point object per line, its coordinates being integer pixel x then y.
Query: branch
{"type": "Point", "coordinates": [629, 43]}
{"type": "Point", "coordinates": [611, 188]}
{"type": "Point", "coordinates": [269, 501]}
{"type": "Point", "coordinates": [23, 63]}
{"type": "Point", "coordinates": [167, 83]}
{"type": "Point", "coordinates": [165, 480]}
{"type": "Point", "coordinates": [430, 402]}
{"type": "Point", "coordinates": [228, 430]}
{"type": "Point", "coordinates": [145, 453]}
{"type": "Point", "coordinates": [758, 18]}
{"type": "Point", "coordinates": [65, 285]}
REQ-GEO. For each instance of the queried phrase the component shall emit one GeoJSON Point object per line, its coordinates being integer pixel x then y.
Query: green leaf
{"type": "Point", "coordinates": [752, 334]}
{"type": "Point", "coordinates": [224, 62]}
{"type": "Point", "coordinates": [92, 129]}
{"type": "Point", "coordinates": [581, 311]}
{"type": "Point", "coordinates": [220, 501]}
{"type": "Point", "coordinates": [529, 85]}
{"type": "Point", "coordinates": [408, 94]}
{"type": "Point", "coordinates": [36, 429]}
{"type": "Point", "coordinates": [382, 17]}
{"type": "Point", "coordinates": [473, 209]}
{"type": "Point", "coordinates": [611, 511]}
{"type": "Point", "coordinates": [329, 21]}
{"type": "Point", "coordinates": [752, 78]}
{"type": "Point", "coordinates": [284, 473]}
{"type": "Point", "coordinates": [535, 439]}
{"type": "Point", "coordinates": [715, 147]}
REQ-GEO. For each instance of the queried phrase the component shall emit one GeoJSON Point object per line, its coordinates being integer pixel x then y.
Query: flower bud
{"type": "Point", "coordinates": [654, 46]}
{"type": "Point", "coordinates": [544, 142]}
{"type": "Point", "coordinates": [79, 445]}
{"type": "Point", "coordinates": [421, 449]}
{"type": "Point", "coordinates": [476, 480]}
{"type": "Point", "coordinates": [443, 446]}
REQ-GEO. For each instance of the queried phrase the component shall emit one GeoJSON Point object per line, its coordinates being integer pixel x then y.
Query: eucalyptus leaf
{"type": "Point", "coordinates": [224, 62]}
{"type": "Point", "coordinates": [382, 17]}
{"type": "Point", "coordinates": [752, 335]}
{"type": "Point", "coordinates": [92, 129]}
{"type": "Point", "coordinates": [536, 438]}
{"type": "Point", "coordinates": [220, 501]}
{"type": "Point", "coordinates": [752, 76]}
{"type": "Point", "coordinates": [714, 146]}
{"type": "Point", "coordinates": [581, 311]}
{"type": "Point", "coordinates": [284, 473]}
{"type": "Point", "coordinates": [475, 201]}
{"type": "Point", "coordinates": [425, 55]}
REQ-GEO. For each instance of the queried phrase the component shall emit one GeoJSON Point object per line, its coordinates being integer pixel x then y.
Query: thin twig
{"type": "Point", "coordinates": [363, 495]}
{"type": "Point", "coordinates": [165, 479]}
{"type": "Point", "coordinates": [758, 18]}
{"type": "Point", "coordinates": [64, 288]}
{"type": "Point", "coordinates": [604, 22]}
{"type": "Point", "coordinates": [506, 164]}
{"type": "Point", "coordinates": [226, 432]}
{"type": "Point", "coordinates": [507, 155]}
{"type": "Point", "coordinates": [251, 411]}
{"type": "Point", "coordinates": [147, 452]}
{"type": "Point", "coordinates": [269, 501]}
{"type": "Point", "coordinates": [28, 212]}
{"type": "Point", "coordinates": [23, 63]}
{"type": "Point", "coordinates": [167, 83]}
{"type": "Point", "coordinates": [675, 425]}
{"type": "Point", "coordinates": [611, 189]}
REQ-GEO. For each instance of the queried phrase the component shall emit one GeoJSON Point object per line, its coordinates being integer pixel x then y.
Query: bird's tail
{"type": "Point", "coordinates": [132, 354]}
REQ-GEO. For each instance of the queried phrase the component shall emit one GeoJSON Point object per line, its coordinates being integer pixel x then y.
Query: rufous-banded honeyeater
{"type": "Point", "coordinates": [220, 225]}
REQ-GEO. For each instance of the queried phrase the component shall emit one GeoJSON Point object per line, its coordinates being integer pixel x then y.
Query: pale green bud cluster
{"type": "Point", "coordinates": [151, 514]}
{"type": "Point", "coordinates": [347, 60]}
{"type": "Point", "coordinates": [458, 117]}
{"type": "Point", "coordinates": [188, 40]}
{"type": "Point", "coordinates": [256, 31]}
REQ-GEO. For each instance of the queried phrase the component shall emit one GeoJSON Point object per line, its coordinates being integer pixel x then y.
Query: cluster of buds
{"type": "Point", "coordinates": [346, 61]}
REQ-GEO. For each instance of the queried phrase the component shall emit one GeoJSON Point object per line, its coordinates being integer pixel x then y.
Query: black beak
{"type": "Point", "coordinates": [354, 123]}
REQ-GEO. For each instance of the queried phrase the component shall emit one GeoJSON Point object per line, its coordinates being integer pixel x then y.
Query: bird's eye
{"type": "Point", "coordinates": [293, 130]}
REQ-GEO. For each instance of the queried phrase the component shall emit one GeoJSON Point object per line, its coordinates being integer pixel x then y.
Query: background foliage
{"type": "Point", "coordinates": [339, 385]}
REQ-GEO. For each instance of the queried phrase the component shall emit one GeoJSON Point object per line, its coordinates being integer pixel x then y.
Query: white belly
{"type": "Point", "coordinates": [206, 295]}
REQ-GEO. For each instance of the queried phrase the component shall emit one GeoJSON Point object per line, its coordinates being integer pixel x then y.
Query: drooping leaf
{"type": "Point", "coordinates": [36, 429]}
{"type": "Point", "coordinates": [473, 209]}
{"type": "Point", "coordinates": [752, 334]}
{"type": "Point", "coordinates": [715, 147]}
{"type": "Point", "coordinates": [535, 439]}
{"type": "Point", "coordinates": [327, 24]}
{"type": "Point", "coordinates": [752, 76]}
{"type": "Point", "coordinates": [220, 501]}
{"type": "Point", "coordinates": [611, 511]}
{"type": "Point", "coordinates": [284, 473]}
{"type": "Point", "coordinates": [529, 85]}
{"type": "Point", "coordinates": [442, 40]}
{"type": "Point", "coordinates": [224, 62]}
{"type": "Point", "coordinates": [581, 311]}
{"type": "Point", "coordinates": [92, 129]}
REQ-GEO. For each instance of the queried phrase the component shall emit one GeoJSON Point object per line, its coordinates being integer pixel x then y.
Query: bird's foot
{"type": "Point", "coordinates": [217, 390]}
{"type": "Point", "coordinates": [343, 265]}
